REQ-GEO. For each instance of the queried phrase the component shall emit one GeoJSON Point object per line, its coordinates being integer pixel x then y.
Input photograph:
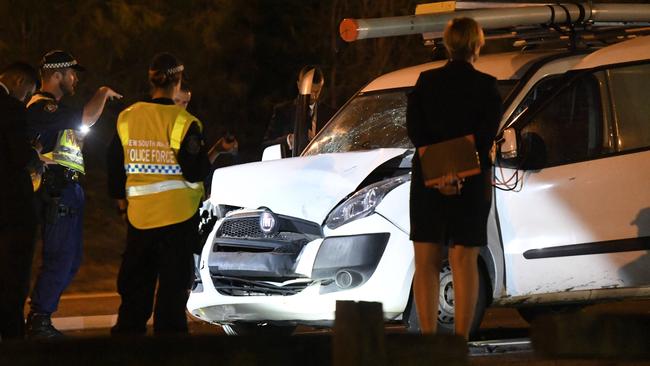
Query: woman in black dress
{"type": "Point", "coordinates": [452, 101]}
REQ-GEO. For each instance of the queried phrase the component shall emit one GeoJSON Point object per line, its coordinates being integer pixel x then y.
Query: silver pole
{"type": "Point", "coordinates": [621, 12]}
{"type": "Point", "coordinates": [492, 18]}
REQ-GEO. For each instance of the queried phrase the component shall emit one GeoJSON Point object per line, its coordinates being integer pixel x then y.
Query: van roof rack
{"type": "Point", "coordinates": [576, 24]}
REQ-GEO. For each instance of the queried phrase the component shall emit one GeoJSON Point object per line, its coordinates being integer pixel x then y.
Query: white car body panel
{"type": "Point", "coordinates": [575, 204]}
{"type": "Point", "coordinates": [628, 51]}
{"type": "Point", "coordinates": [505, 66]}
{"type": "Point", "coordinates": [305, 187]}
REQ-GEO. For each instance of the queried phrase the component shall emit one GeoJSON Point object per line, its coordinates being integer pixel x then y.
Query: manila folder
{"type": "Point", "coordinates": [457, 156]}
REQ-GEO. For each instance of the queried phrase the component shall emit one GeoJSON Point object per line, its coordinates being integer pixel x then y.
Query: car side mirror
{"type": "Point", "coordinates": [509, 144]}
{"type": "Point", "coordinates": [273, 152]}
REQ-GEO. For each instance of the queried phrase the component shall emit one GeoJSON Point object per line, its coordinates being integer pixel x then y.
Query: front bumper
{"type": "Point", "coordinates": [388, 282]}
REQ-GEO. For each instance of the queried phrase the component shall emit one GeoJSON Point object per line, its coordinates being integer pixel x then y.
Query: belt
{"type": "Point", "coordinates": [159, 187]}
{"type": "Point", "coordinates": [69, 175]}
{"type": "Point", "coordinates": [63, 210]}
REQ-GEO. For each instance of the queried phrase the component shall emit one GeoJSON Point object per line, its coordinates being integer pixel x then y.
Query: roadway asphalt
{"type": "Point", "coordinates": [86, 311]}
{"type": "Point", "coordinates": [503, 339]}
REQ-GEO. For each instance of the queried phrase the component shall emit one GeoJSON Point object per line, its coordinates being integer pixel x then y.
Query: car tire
{"type": "Point", "coordinates": [530, 313]}
{"type": "Point", "coordinates": [264, 329]}
{"type": "Point", "coordinates": [446, 304]}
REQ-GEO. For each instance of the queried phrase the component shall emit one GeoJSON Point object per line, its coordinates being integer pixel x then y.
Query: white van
{"type": "Point", "coordinates": [570, 222]}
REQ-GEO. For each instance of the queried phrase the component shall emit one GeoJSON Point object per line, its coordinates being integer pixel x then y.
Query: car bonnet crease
{"type": "Point", "coordinates": [304, 187]}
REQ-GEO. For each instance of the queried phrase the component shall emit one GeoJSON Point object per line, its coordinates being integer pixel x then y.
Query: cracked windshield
{"type": "Point", "coordinates": [370, 121]}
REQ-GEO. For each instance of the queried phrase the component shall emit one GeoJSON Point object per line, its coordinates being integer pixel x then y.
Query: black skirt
{"type": "Point", "coordinates": [450, 220]}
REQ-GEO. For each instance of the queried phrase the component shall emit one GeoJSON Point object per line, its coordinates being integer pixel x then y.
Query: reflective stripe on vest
{"type": "Point", "coordinates": [151, 135]}
{"type": "Point", "coordinates": [67, 150]}
{"type": "Point", "coordinates": [153, 169]}
{"type": "Point", "coordinates": [159, 187]}
{"type": "Point", "coordinates": [177, 131]}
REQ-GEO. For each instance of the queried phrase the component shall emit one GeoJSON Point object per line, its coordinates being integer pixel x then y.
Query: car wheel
{"type": "Point", "coordinates": [446, 304]}
{"type": "Point", "coordinates": [264, 329]}
{"type": "Point", "coordinates": [530, 313]}
{"type": "Point", "coordinates": [446, 300]}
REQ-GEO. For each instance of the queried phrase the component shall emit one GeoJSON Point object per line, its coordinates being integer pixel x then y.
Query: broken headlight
{"type": "Point", "coordinates": [363, 202]}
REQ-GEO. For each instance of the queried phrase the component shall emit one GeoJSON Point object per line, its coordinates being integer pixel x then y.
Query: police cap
{"type": "Point", "coordinates": [58, 59]}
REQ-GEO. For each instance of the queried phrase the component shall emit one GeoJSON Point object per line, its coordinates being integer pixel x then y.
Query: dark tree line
{"type": "Point", "coordinates": [241, 56]}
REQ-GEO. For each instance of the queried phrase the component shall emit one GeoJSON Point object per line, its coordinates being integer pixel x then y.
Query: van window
{"type": "Point", "coordinates": [543, 89]}
{"type": "Point", "coordinates": [569, 128]}
{"type": "Point", "coordinates": [630, 92]}
{"type": "Point", "coordinates": [369, 121]}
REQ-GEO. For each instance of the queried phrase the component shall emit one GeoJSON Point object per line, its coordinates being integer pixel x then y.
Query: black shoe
{"type": "Point", "coordinates": [39, 326]}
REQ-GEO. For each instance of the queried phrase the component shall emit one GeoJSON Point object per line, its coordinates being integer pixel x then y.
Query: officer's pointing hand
{"type": "Point", "coordinates": [110, 93]}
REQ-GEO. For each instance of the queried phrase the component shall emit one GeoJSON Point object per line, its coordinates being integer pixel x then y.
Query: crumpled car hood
{"type": "Point", "coordinates": [303, 187]}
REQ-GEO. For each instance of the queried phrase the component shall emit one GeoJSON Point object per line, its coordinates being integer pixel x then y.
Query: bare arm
{"type": "Point", "coordinates": [93, 109]}
{"type": "Point", "coordinates": [222, 145]}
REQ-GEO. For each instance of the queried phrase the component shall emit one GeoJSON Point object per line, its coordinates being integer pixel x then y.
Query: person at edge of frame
{"type": "Point", "coordinates": [60, 130]}
{"type": "Point", "coordinates": [281, 126]}
{"type": "Point", "coordinates": [156, 164]}
{"type": "Point", "coordinates": [183, 95]}
{"type": "Point", "coordinates": [18, 221]}
{"type": "Point", "coordinates": [449, 102]}
{"type": "Point", "coordinates": [223, 152]}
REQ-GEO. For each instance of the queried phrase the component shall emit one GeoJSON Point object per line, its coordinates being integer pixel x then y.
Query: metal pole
{"type": "Point", "coordinates": [493, 18]}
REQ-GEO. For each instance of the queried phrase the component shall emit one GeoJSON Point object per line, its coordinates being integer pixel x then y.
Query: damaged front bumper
{"type": "Point", "coordinates": [291, 276]}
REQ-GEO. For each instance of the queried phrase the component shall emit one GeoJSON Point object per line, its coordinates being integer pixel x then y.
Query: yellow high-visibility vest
{"type": "Point", "coordinates": [67, 150]}
{"type": "Point", "coordinates": [151, 136]}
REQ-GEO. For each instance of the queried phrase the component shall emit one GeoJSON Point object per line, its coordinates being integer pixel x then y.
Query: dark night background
{"type": "Point", "coordinates": [241, 57]}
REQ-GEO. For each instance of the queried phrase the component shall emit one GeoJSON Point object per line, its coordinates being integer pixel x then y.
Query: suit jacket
{"type": "Point", "coordinates": [16, 155]}
{"type": "Point", "coordinates": [282, 122]}
{"type": "Point", "coordinates": [452, 101]}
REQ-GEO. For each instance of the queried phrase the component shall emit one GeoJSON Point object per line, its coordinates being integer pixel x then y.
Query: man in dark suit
{"type": "Point", "coordinates": [17, 217]}
{"type": "Point", "coordinates": [280, 129]}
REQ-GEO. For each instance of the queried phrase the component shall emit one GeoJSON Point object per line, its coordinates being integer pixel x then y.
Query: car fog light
{"type": "Point", "coordinates": [346, 279]}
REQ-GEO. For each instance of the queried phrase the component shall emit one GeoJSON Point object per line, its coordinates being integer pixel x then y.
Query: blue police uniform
{"type": "Point", "coordinates": [61, 202]}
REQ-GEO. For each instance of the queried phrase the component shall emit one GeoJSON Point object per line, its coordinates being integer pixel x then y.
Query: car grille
{"type": "Point", "coordinates": [244, 261]}
{"type": "Point", "coordinates": [231, 286]}
{"type": "Point", "coordinates": [245, 227]}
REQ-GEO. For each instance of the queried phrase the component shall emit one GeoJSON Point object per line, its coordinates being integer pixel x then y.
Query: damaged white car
{"type": "Point", "coordinates": [570, 222]}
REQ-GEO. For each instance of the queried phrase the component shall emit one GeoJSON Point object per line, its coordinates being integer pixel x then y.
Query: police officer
{"type": "Point", "coordinates": [156, 165]}
{"type": "Point", "coordinates": [61, 198]}
{"type": "Point", "coordinates": [17, 216]}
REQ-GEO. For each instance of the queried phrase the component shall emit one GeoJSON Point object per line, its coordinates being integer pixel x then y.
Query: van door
{"type": "Point", "coordinates": [579, 218]}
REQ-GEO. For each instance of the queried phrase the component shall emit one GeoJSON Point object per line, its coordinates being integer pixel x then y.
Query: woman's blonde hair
{"type": "Point", "coordinates": [463, 38]}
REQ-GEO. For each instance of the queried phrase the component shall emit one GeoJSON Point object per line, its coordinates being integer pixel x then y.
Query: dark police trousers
{"type": "Point", "coordinates": [162, 255]}
{"type": "Point", "coordinates": [62, 247]}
